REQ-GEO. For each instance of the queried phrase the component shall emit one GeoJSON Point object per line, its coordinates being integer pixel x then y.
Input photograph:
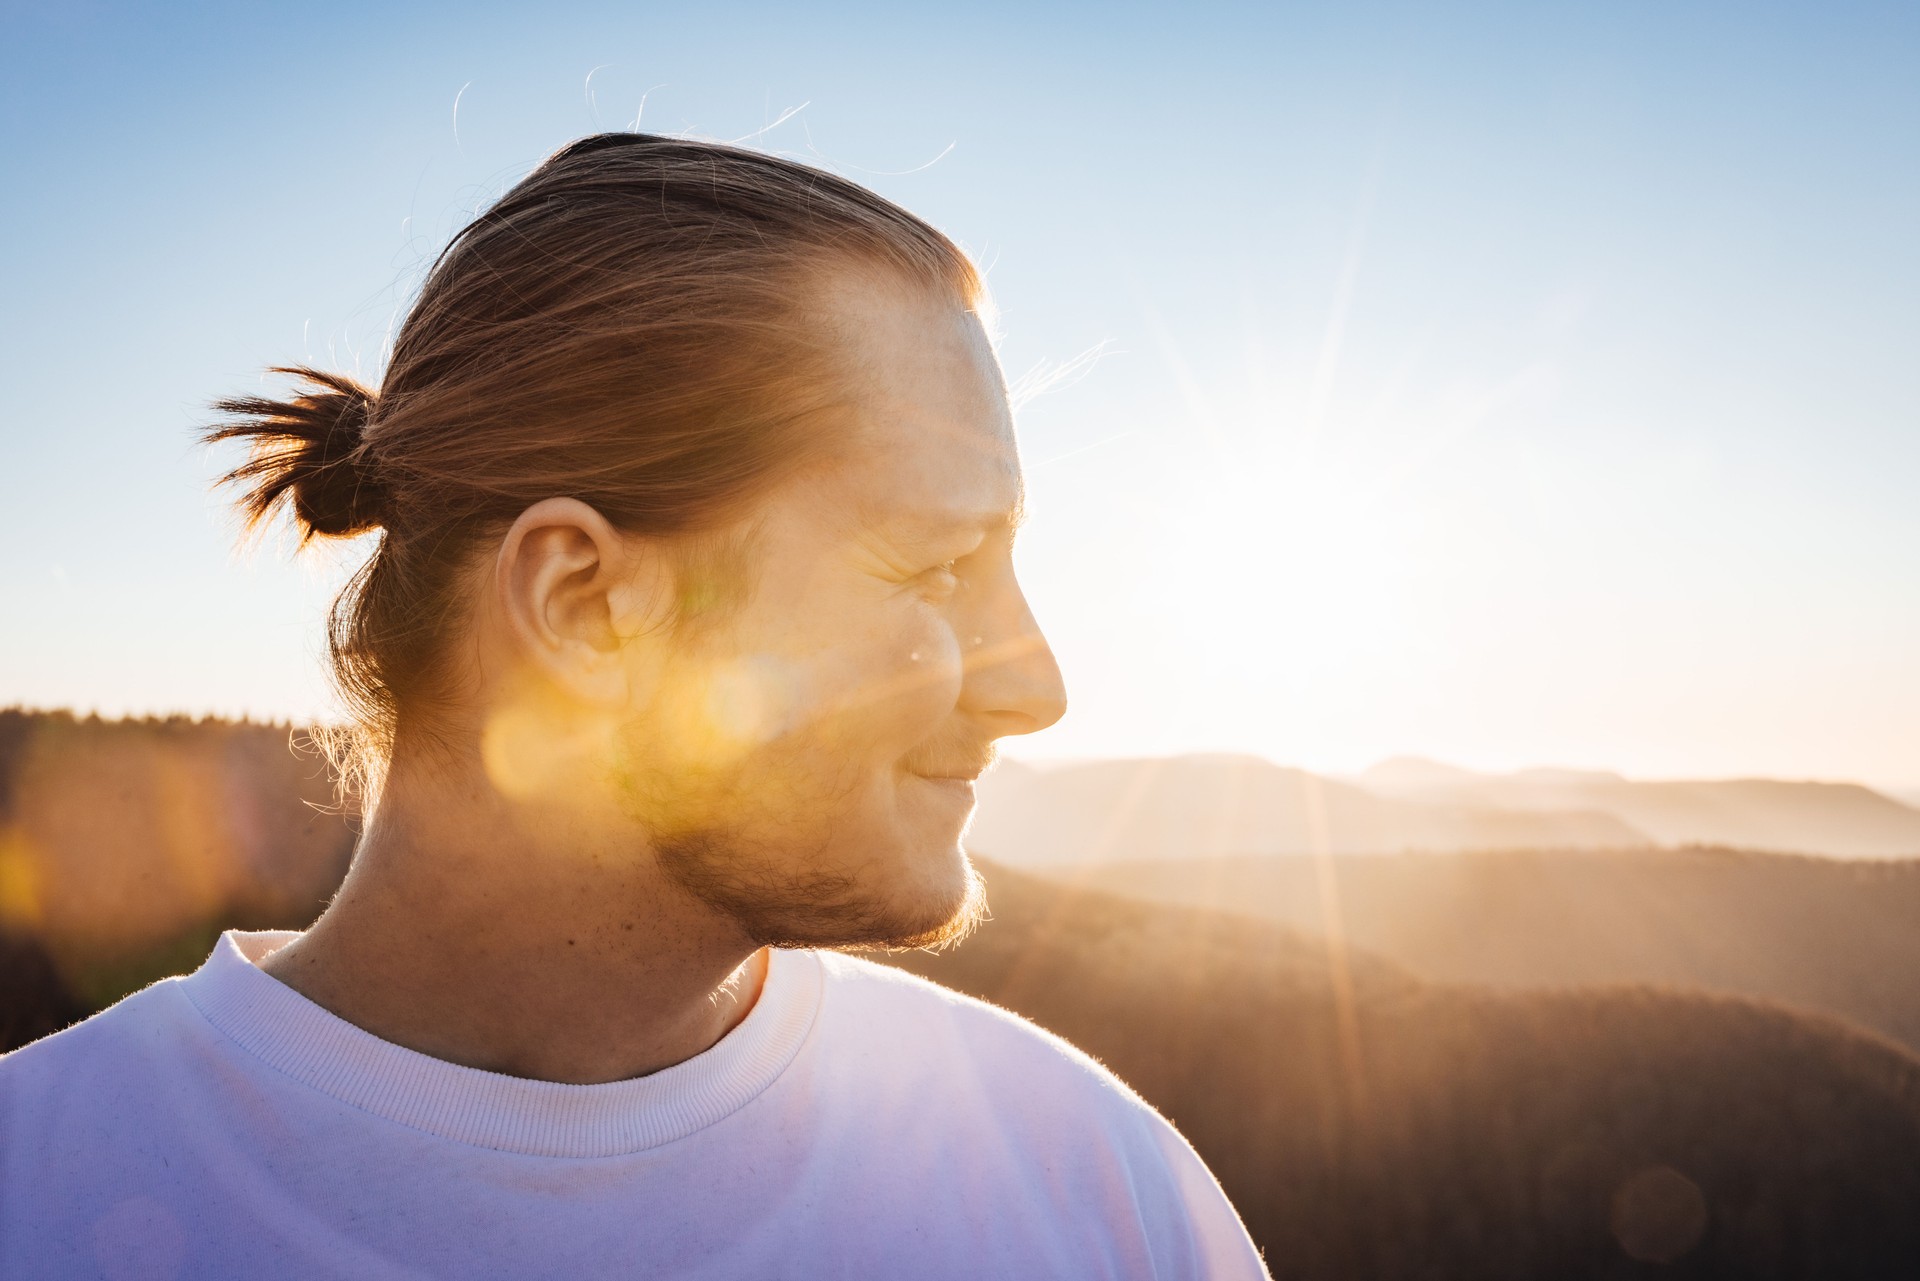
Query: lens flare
{"type": "Point", "coordinates": [19, 882]}
{"type": "Point", "coordinates": [532, 753]}
{"type": "Point", "coordinates": [747, 702]}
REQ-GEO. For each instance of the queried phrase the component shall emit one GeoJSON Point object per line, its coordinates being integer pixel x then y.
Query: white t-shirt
{"type": "Point", "coordinates": [859, 1122]}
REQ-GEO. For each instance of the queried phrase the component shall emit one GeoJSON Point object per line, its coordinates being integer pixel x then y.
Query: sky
{"type": "Point", "coordinates": [1507, 384]}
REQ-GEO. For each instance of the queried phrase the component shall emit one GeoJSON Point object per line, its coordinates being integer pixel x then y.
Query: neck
{"type": "Point", "coordinates": [502, 936]}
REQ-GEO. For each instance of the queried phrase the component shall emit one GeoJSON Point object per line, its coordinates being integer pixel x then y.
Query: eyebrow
{"type": "Point", "coordinates": [920, 526]}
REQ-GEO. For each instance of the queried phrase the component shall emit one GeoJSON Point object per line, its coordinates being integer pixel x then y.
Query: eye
{"type": "Point", "coordinates": [940, 581]}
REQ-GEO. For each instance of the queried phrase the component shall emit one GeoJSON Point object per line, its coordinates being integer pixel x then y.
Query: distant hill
{"type": "Point", "coordinates": [119, 838]}
{"type": "Point", "coordinates": [1841, 819]}
{"type": "Point", "coordinates": [1370, 1125]}
{"type": "Point", "coordinates": [1211, 806]}
{"type": "Point", "coordinates": [1826, 934]}
{"type": "Point", "coordinates": [1215, 806]}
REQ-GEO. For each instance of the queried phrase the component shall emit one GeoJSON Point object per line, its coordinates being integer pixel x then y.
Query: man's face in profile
{"type": "Point", "coordinates": [806, 760]}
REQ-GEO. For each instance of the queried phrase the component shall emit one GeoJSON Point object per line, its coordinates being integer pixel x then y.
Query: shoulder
{"type": "Point", "coordinates": [920, 1028]}
{"type": "Point", "coordinates": [121, 1033]}
{"type": "Point", "coordinates": [886, 991]}
{"type": "Point", "coordinates": [70, 1099]}
{"type": "Point", "coordinates": [989, 1093]}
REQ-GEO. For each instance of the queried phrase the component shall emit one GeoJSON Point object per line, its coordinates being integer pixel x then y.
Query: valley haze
{"type": "Point", "coordinates": [1063, 813]}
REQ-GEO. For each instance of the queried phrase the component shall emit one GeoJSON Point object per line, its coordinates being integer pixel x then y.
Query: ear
{"type": "Point", "coordinates": [572, 590]}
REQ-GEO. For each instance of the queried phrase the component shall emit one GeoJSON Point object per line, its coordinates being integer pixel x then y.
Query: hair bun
{"type": "Point", "coordinates": [310, 450]}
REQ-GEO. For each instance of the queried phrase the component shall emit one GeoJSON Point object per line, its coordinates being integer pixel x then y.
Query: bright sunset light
{"type": "Point", "coordinates": [1201, 642]}
{"type": "Point", "coordinates": [1552, 428]}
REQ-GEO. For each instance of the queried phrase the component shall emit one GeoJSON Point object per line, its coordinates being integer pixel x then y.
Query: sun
{"type": "Point", "coordinates": [1291, 570]}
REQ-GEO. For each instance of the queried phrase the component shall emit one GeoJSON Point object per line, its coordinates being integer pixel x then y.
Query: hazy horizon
{"type": "Point", "coordinates": [1904, 791]}
{"type": "Point", "coordinates": [1907, 793]}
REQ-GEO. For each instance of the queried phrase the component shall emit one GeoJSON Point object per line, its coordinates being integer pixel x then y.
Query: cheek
{"type": "Point", "coordinates": [930, 674]}
{"type": "Point", "coordinates": [894, 688]}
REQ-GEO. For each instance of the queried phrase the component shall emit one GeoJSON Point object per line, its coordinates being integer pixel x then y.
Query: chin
{"type": "Point", "coordinates": [937, 912]}
{"type": "Point", "coordinates": [939, 902]}
{"type": "Point", "coordinates": [914, 891]}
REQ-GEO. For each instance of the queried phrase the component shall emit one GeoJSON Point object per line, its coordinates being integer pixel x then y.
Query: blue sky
{"type": "Point", "coordinates": [1504, 383]}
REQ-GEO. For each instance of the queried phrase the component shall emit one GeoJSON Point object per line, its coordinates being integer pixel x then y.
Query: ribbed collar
{"type": "Point", "coordinates": [488, 1109]}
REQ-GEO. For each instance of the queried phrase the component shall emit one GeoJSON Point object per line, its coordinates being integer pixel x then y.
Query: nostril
{"type": "Point", "coordinates": [1012, 679]}
{"type": "Point", "coordinates": [1032, 714]}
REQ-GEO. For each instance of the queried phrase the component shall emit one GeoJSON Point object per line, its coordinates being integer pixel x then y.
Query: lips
{"type": "Point", "coordinates": [957, 768]}
{"type": "Point", "coordinates": [958, 792]}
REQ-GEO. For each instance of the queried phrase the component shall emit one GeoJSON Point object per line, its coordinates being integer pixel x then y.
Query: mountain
{"type": "Point", "coordinates": [1414, 774]}
{"type": "Point", "coordinates": [1210, 806]}
{"type": "Point", "coordinates": [1815, 933]}
{"type": "Point", "coordinates": [1844, 820]}
{"type": "Point", "coordinates": [1217, 806]}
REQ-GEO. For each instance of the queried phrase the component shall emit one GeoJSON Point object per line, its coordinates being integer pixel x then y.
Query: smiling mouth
{"type": "Point", "coordinates": [949, 782]}
{"type": "Point", "coordinates": [966, 771]}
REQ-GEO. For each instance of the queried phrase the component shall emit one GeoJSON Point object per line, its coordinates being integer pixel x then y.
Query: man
{"type": "Point", "coordinates": [691, 622]}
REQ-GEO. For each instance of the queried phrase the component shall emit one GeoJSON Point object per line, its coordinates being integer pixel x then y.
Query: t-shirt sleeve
{"type": "Point", "coordinates": [1205, 1238]}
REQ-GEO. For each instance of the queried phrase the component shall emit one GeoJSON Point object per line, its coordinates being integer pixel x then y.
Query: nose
{"type": "Point", "coordinates": [1011, 679]}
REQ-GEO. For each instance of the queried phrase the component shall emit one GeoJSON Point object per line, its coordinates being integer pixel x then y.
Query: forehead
{"type": "Point", "coordinates": [929, 437]}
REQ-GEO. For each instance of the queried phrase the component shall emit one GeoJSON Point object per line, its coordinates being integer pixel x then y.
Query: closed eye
{"type": "Point", "coordinates": [940, 581]}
